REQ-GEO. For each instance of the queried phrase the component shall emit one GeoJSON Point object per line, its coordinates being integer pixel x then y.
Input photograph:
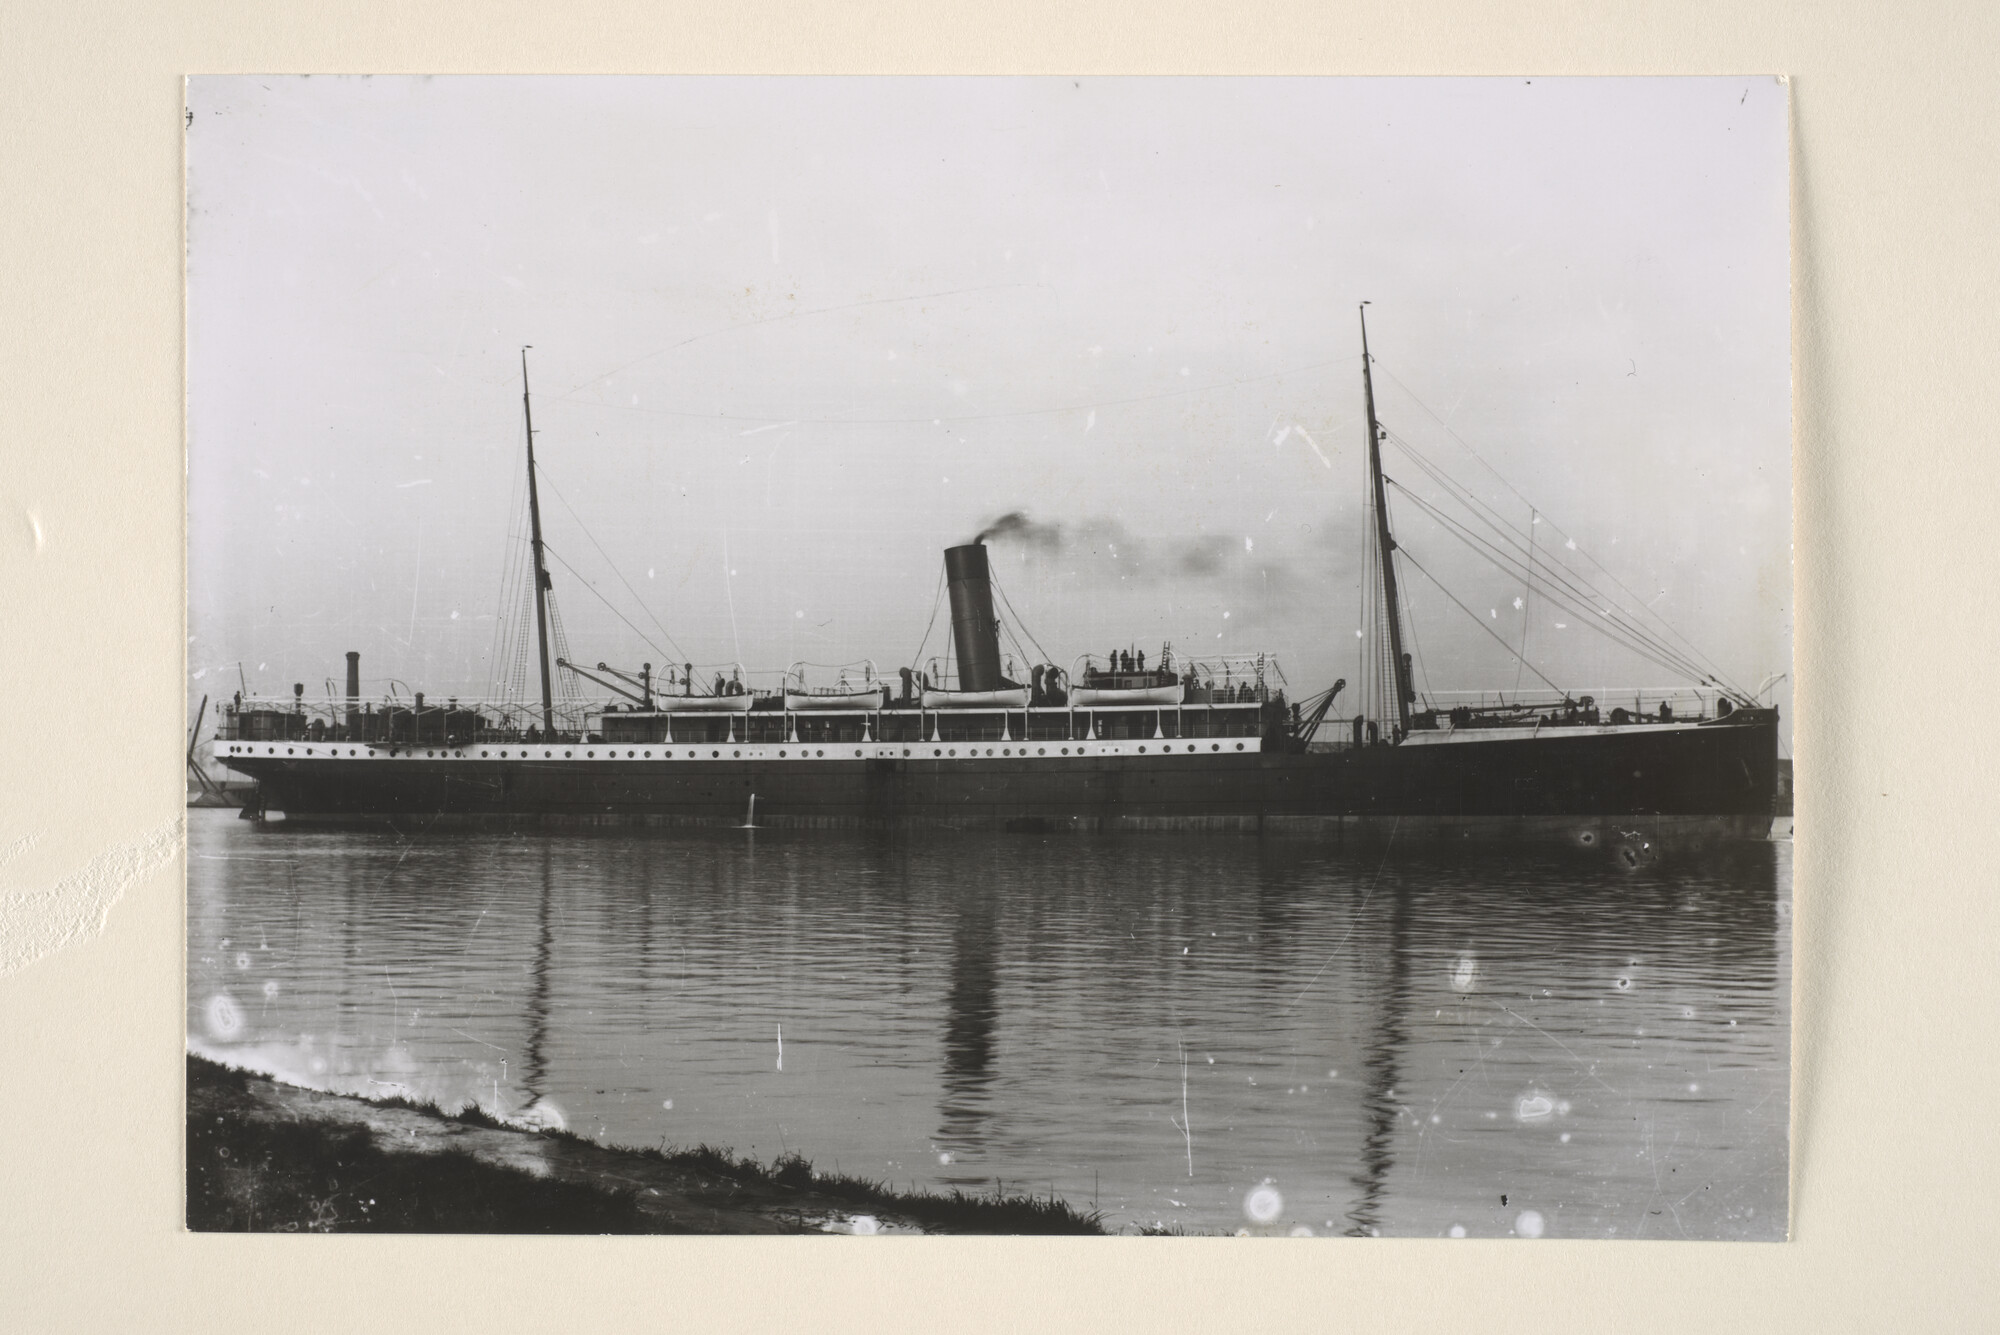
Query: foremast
{"type": "Point", "coordinates": [1385, 545]}
{"type": "Point", "coordinates": [541, 565]}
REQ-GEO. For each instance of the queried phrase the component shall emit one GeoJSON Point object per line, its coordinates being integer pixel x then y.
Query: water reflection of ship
{"type": "Point", "coordinates": [1382, 1064]}
{"type": "Point", "coordinates": [1714, 913]}
{"type": "Point", "coordinates": [534, 1059]}
{"type": "Point", "coordinates": [971, 1013]}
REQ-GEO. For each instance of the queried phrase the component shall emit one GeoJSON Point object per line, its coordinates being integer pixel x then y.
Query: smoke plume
{"type": "Point", "coordinates": [1016, 524]}
{"type": "Point", "coordinates": [1106, 543]}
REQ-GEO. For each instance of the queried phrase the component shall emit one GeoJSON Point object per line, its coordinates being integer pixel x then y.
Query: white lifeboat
{"type": "Point", "coordinates": [704, 704]}
{"type": "Point", "coordinates": [1014, 698]}
{"type": "Point", "coordinates": [1083, 696]}
{"type": "Point", "coordinates": [800, 702]}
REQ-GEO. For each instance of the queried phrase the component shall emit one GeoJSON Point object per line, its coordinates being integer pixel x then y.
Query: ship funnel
{"type": "Point", "coordinates": [353, 694]}
{"type": "Point", "coordinates": [975, 632]}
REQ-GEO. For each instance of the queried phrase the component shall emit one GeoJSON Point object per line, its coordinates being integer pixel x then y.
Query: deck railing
{"type": "Point", "coordinates": [462, 721]}
{"type": "Point", "coordinates": [1682, 703]}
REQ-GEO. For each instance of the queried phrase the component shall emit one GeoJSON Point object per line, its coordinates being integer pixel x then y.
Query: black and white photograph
{"type": "Point", "coordinates": [989, 655]}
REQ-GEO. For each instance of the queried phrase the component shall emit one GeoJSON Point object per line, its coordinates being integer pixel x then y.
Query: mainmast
{"type": "Point", "coordinates": [541, 566]}
{"type": "Point", "coordinates": [1385, 544]}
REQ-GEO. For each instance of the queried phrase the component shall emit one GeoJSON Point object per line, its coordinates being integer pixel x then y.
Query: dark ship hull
{"type": "Point", "coordinates": [1117, 748]}
{"type": "Point", "coordinates": [1709, 780]}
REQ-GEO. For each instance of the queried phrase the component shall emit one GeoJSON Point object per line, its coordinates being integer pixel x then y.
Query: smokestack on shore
{"type": "Point", "coordinates": [353, 694]}
{"type": "Point", "coordinates": [975, 631]}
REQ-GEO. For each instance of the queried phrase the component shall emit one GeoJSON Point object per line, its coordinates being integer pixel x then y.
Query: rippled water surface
{"type": "Point", "coordinates": [1203, 1033]}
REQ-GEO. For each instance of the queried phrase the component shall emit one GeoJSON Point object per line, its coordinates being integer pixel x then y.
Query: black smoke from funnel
{"type": "Point", "coordinates": [1016, 524]}
{"type": "Point", "coordinates": [1198, 558]}
{"type": "Point", "coordinates": [1264, 588]}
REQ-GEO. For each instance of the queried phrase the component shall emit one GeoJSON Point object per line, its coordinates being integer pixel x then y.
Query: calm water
{"type": "Point", "coordinates": [1210, 1033]}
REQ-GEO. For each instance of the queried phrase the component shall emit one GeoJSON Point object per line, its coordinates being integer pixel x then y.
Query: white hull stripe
{"type": "Point", "coordinates": [1557, 732]}
{"type": "Point", "coordinates": [769, 751]}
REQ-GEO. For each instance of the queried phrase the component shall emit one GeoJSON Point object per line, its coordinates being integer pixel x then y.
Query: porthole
{"type": "Point", "coordinates": [569, 755]}
{"type": "Point", "coordinates": [482, 754]}
{"type": "Point", "coordinates": [1239, 746]}
{"type": "Point", "coordinates": [906, 750]}
{"type": "Point", "coordinates": [936, 752]}
{"type": "Point", "coordinates": [628, 754]}
{"type": "Point", "coordinates": [737, 754]}
{"type": "Point", "coordinates": [954, 750]}
{"type": "Point", "coordinates": [309, 750]}
{"type": "Point", "coordinates": [1215, 746]}
{"type": "Point", "coordinates": [1065, 750]}
{"type": "Point", "coordinates": [821, 754]}
{"type": "Point", "coordinates": [649, 755]}
{"type": "Point", "coordinates": [1041, 750]}
{"type": "Point", "coordinates": [781, 755]}
{"type": "Point", "coordinates": [590, 755]}
{"type": "Point", "coordinates": [288, 751]}
{"type": "Point", "coordinates": [1004, 753]}
{"type": "Point", "coordinates": [1142, 750]}
{"type": "Point", "coordinates": [715, 755]}
{"type": "Point", "coordinates": [989, 750]}
{"type": "Point", "coordinates": [547, 754]}
{"type": "Point", "coordinates": [857, 755]}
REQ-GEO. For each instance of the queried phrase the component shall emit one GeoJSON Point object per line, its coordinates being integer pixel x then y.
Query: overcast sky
{"type": "Point", "coordinates": [793, 337]}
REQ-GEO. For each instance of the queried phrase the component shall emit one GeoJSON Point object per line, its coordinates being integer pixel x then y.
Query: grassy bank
{"type": "Point", "coordinates": [268, 1157]}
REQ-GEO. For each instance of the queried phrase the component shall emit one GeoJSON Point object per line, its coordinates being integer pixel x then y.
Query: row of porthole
{"type": "Point", "coordinates": [1042, 750]}
{"type": "Point", "coordinates": [592, 755]}
{"type": "Point", "coordinates": [334, 751]}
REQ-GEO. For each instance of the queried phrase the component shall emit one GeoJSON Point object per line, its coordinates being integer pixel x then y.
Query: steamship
{"type": "Point", "coordinates": [1105, 744]}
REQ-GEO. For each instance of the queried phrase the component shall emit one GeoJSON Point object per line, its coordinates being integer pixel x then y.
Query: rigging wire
{"type": "Point", "coordinates": [517, 680]}
{"type": "Point", "coordinates": [1527, 595]}
{"type": "Point", "coordinates": [561, 646]}
{"type": "Point", "coordinates": [670, 661]}
{"type": "Point", "coordinates": [1629, 638]}
{"type": "Point", "coordinates": [937, 601]}
{"type": "Point", "coordinates": [1557, 577]}
{"type": "Point", "coordinates": [1587, 594]}
{"type": "Point", "coordinates": [1477, 622]}
{"type": "Point", "coordinates": [607, 560]}
{"type": "Point", "coordinates": [1013, 640]}
{"type": "Point", "coordinates": [1416, 649]}
{"type": "Point", "coordinates": [497, 646]}
{"type": "Point", "coordinates": [1714, 673]}
{"type": "Point", "coordinates": [1018, 620]}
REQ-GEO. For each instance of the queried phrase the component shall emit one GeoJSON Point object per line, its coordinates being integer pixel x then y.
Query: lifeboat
{"type": "Point", "coordinates": [1083, 696]}
{"type": "Point", "coordinates": [1015, 698]}
{"type": "Point", "coordinates": [704, 704]}
{"type": "Point", "coordinates": [800, 702]}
